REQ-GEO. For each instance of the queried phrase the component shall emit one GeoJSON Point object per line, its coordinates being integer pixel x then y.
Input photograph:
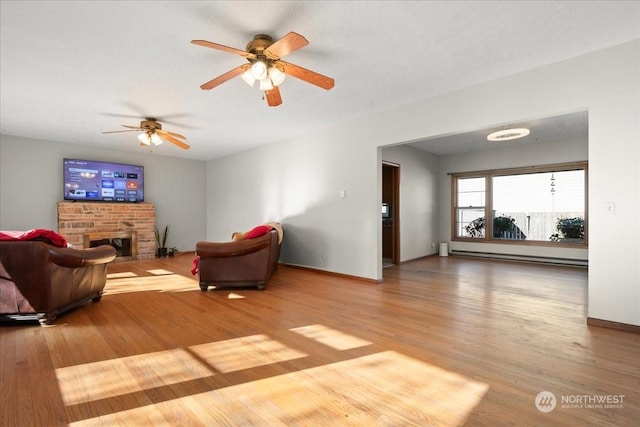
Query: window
{"type": "Point", "coordinates": [536, 205]}
{"type": "Point", "coordinates": [471, 196]}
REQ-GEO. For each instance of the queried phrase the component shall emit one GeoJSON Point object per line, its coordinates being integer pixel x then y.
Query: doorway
{"type": "Point", "coordinates": [390, 214]}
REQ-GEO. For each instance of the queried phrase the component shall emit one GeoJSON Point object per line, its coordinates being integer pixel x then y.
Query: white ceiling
{"type": "Point", "coordinates": [558, 128]}
{"type": "Point", "coordinates": [70, 70]}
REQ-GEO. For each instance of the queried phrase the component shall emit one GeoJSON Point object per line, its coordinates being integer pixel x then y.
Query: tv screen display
{"type": "Point", "coordinates": [95, 181]}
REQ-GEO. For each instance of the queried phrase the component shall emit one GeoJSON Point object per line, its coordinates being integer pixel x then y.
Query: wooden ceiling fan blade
{"type": "Point", "coordinates": [173, 140]}
{"type": "Point", "coordinates": [273, 97]}
{"type": "Point", "coordinates": [118, 131]}
{"type": "Point", "coordinates": [175, 135]}
{"type": "Point", "coordinates": [225, 77]}
{"type": "Point", "coordinates": [307, 75]}
{"type": "Point", "coordinates": [224, 48]}
{"type": "Point", "coordinates": [284, 46]}
{"type": "Point", "coordinates": [132, 127]}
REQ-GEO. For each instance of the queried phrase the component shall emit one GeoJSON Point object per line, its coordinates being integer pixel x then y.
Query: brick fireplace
{"type": "Point", "coordinates": [128, 225]}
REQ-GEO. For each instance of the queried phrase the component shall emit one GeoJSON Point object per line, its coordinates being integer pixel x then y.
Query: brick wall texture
{"type": "Point", "coordinates": [75, 219]}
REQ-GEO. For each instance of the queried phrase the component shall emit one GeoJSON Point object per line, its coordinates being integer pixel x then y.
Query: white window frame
{"type": "Point", "coordinates": [488, 213]}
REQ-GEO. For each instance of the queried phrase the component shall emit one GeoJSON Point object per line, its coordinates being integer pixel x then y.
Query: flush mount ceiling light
{"type": "Point", "coordinates": [508, 134]}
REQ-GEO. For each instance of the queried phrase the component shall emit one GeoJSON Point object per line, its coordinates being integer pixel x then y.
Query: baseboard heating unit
{"type": "Point", "coordinates": [524, 258]}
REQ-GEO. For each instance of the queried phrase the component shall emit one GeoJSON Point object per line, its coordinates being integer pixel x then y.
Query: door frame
{"type": "Point", "coordinates": [395, 211]}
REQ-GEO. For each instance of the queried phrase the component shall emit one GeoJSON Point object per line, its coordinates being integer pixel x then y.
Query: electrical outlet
{"type": "Point", "coordinates": [433, 245]}
{"type": "Point", "coordinates": [320, 262]}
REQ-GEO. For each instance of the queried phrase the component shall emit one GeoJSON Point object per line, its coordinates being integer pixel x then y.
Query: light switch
{"type": "Point", "coordinates": [610, 208]}
{"type": "Point", "coordinates": [343, 194]}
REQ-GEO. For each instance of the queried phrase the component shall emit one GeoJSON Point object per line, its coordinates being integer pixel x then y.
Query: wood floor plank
{"type": "Point", "coordinates": [442, 341]}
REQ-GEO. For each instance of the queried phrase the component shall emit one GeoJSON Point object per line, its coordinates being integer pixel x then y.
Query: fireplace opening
{"type": "Point", "coordinates": [124, 243]}
{"type": "Point", "coordinates": [122, 246]}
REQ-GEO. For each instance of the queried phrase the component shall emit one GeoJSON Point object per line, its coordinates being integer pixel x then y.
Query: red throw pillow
{"type": "Point", "coordinates": [258, 231]}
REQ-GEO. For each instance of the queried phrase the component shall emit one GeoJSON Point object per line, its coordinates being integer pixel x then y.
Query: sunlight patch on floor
{"type": "Point", "coordinates": [245, 352]}
{"type": "Point", "coordinates": [233, 295]}
{"type": "Point", "coordinates": [331, 337]}
{"type": "Point", "coordinates": [157, 283]}
{"type": "Point", "coordinates": [385, 388]}
{"type": "Point", "coordinates": [109, 378]}
{"type": "Point", "coordinates": [122, 275]}
{"type": "Point", "coordinates": [160, 272]}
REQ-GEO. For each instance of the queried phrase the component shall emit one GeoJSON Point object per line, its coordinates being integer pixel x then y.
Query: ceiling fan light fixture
{"type": "Point", "coordinates": [248, 78]}
{"type": "Point", "coordinates": [276, 76]}
{"type": "Point", "coordinates": [149, 137]}
{"type": "Point", "coordinates": [508, 134]}
{"type": "Point", "coordinates": [155, 139]}
{"type": "Point", "coordinates": [152, 133]}
{"type": "Point", "coordinates": [259, 70]}
{"type": "Point", "coordinates": [144, 138]}
{"type": "Point", "coordinates": [266, 84]}
{"type": "Point", "coordinates": [263, 54]}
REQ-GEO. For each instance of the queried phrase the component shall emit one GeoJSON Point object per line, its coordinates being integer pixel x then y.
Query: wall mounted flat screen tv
{"type": "Point", "coordinates": [94, 181]}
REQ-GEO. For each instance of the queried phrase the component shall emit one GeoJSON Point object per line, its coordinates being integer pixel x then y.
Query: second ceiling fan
{"type": "Point", "coordinates": [152, 133]}
{"type": "Point", "coordinates": [266, 66]}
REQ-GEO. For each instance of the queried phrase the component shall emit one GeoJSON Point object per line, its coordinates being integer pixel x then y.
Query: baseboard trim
{"type": "Point", "coordinates": [523, 258]}
{"type": "Point", "coordinates": [330, 273]}
{"type": "Point", "coordinates": [591, 321]}
{"type": "Point", "coordinates": [420, 257]}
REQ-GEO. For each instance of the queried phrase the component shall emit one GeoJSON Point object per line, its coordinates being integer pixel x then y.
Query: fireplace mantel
{"type": "Point", "coordinates": [78, 219]}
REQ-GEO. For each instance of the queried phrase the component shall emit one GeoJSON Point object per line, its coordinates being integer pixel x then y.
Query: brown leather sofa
{"type": "Point", "coordinates": [242, 263]}
{"type": "Point", "coordinates": [41, 281]}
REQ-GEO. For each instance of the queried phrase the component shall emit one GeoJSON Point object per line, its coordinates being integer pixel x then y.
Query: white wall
{"type": "Point", "coordinates": [299, 185]}
{"type": "Point", "coordinates": [419, 200]}
{"type": "Point", "coordinates": [532, 154]}
{"type": "Point", "coordinates": [31, 186]}
{"type": "Point", "coordinates": [300, 179]}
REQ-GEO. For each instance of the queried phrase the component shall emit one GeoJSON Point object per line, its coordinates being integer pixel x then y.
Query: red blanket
{"type": "Point", "coordinates": [35, 234]}
{"type": "Point", "coordinates": [194, 270]}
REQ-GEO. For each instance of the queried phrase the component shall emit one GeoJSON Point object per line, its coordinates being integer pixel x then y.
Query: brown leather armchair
{"type": "Point", "coordinates": [40, 281]}
{"type": "Point", "coordinates": [241, 263]}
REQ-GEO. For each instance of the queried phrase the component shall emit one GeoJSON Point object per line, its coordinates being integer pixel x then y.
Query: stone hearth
{"type": "Point", "coordinates": [81, 222]}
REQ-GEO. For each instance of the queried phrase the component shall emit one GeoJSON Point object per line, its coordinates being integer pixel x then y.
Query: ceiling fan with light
{"type": "Point", "coordinates": [266, 66]}
{"type": "Point", "coordinates": [152, 133]}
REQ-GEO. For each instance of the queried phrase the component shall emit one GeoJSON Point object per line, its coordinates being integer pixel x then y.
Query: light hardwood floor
{"type": "Point", "coordinates": [443, 341]}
